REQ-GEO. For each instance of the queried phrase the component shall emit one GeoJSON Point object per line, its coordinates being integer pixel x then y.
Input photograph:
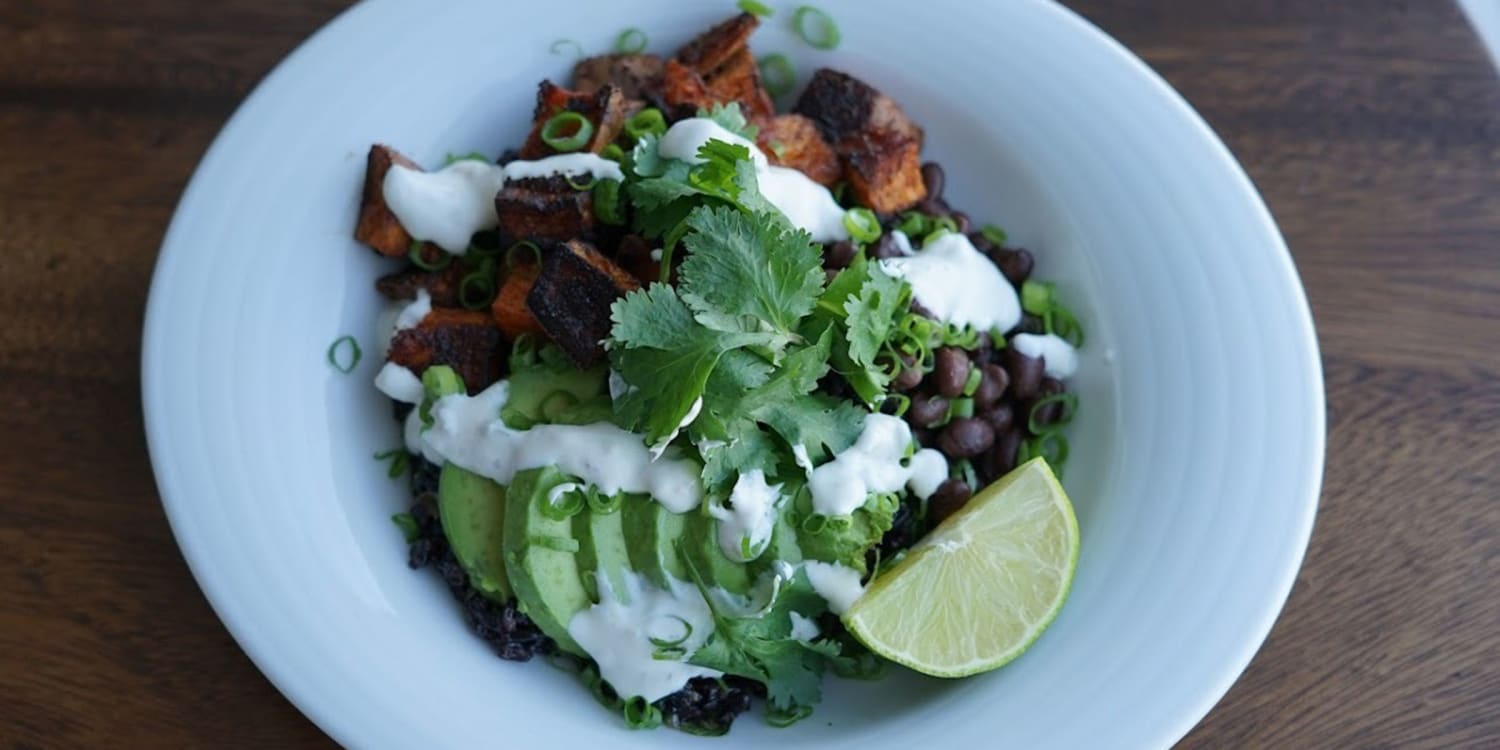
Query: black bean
{"type": "Point", "coordinates": [983, 244]}
{"type": "Point", "coordinates": [951, 495]}
{"type": "Point", "coordinates": [910, 378]}
{"type": "Point", "coordinates": [951, 371]}
{"type": "Point", "coordinates": [1052, 411]}
{"type": "Point", "coordinates": [933, 178]}
{"type": "Point", "coordinates": [933, 206]}
{"type": "Point", "coordinates": [926, 411]}
{"type": "Point", "coordinates": [962, 221]}
{"type": "Point", "coordinates": [839, 255]}
{"type": "Point", "coordinates": [1000, 417]}
{"type": "Point", "coordinates": [924, 437]}
{"type": "Point", "coordinates": [992, 384]}
{"type": "Point", "coordinates": [885, 247]}
{"type": "Point", "coordinates": [966, 437]}
{"type": "Point", "coordinates": [1016, 264]}
{"type": "Point", "coordinates": [1002, 455]}
{"type": "Point", "coordinates": [1025, 373]}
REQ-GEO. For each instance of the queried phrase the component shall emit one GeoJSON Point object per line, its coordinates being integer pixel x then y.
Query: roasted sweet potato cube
{"type": "Point", "coordinates": [466, 340]}
{"type": "Point", "coordinates": [509, 308]}
{"type": "Point", "coordinates": [711, 49]}
{"type": "Point", "coordinates": [794, 141]}
{"type": "Point", "coordinates": [683, 91]}
{"type": "Point", "coordinates": [637, 76]}
{"type": "Point", "coordinates": [884, 171]}
{"type": "Point", "coordinates": [603, 108]}
{"type": "Point", "coordinates": [843, 105]}
{"type": "Point", "coordinates": [571, 299]}
{"type": "Point", "coordinates": [543, 210]}
{"type": "Point", "coordinates": [377, 226]}
{"type": "Point", "coordinates": [738, 80]}
{"type": "Point", "coordinates": [442, 284]}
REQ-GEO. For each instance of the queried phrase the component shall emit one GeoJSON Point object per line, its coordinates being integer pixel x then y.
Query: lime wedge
{"type": "Point", "coordinates": [979, 589]}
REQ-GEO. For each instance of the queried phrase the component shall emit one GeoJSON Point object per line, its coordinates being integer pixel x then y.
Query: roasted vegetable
{"type": "Point", "coordinates": [543, 210]}
{"type": "Point", "coordinates": [571, 299]}
{"type": "Point", "coordinates": [795, 141]}
{"type": "Point", "coordinates": [466, 340]}
{"type": "Point", "coordinates": [377, 226]}
{"type": "Point", "coordinates": [604, 108]}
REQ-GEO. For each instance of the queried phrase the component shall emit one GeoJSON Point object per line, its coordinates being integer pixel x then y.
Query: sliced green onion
{"type": "Point", "coordinates": [993, 234]}
{"type": "Point", "coordinates": [1037, 297]}
{"type": "Point", "coordinates": [814, 523]}
{"type": "Point", "coordinates": [914, 224]}
{"type": "Point", "coordinates": [758, 9]}
{"type": "Point", "coordinates": [862, 224]}
{"type": "Point", "coordinates": [603, 504]}
{"type": "Point", "coordinates": [337, 356]}
{"type": "Point", "coordinates": [823, 35]}
{"type": "Point", "coordinates": [567, 131]}
{"type": "Point", "coordinates": [408, 526]}
{"type": "Point", "coordinates": [441, 380]}
{"type": "Point", "coordinates": [1051, 446]}
{"type": "Point", "coordinates": [687, 633]}
{"type": "Point", "coordinates": [631, 41]}
{"type": "Point", "coordinates": [581, 182]}
{"type": "Point", "coordinates": [1069, 403]}
{"type": "Point", "coordinates": [972, 384]}
{"type": "Point", "coordinates": [471, 156]}
{"type": "Point", "coordinates": [903, 403]}
{"type": "Point", "coordinates": [398, 461]}
{"type": "Point", "coordinates": [945, 223]}
{"type": "Point", "coordinates": [1062, 323]}
{"type": "Point", "coordinates": [556, 403]}
{"type": "Point", "coordinates": [477, 290]}
{"type": "Point", "coordinates": [783, 719]}
{"type": "Point", "coordinates": [513, 257]}
{"type": "Point", "coordinates": [607, 202]}
{"type": "Point", "coordinates": [777, 74]}
{"type": "Point", "coordinates": [647, 121]}
{"type": "Point", "coordinates": [997, 338]}
{"type": "Point", "coordinates": [960, 408]}
{"type": "Point", "coordinates": [613, 152]}
{"type": "Point", "coordinates": [562, 44]}
{"type": "Point", "coordinates": [641, 715]}
{"type": "Point", "coordinates": [418, 256]}
{"type": "Point", "coordinates": [964, 469]}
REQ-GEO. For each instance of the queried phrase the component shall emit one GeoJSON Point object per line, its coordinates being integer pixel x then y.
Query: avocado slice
{"type": "Point", "coordinates": [701, 543]}
{"type": "Point", "coordinates": [602, 550]}
{"type": "Point", "coordinates": [472, 510]}
{"type": "Point", "coordinates": [541, 557]}
{"type": "Point", "coordinates": [652, 534]}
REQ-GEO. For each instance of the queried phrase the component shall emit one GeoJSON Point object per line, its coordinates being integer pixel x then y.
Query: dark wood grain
{"type": "Point", "coordinates": [1372, 128]}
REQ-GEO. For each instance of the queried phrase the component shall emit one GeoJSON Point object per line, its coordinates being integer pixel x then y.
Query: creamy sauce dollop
{"type": "Point", "coordinates": [750, 517]}
{"type": "Point", "coordinates": [876, 462]}
{"type": "Point", "coordinates": [618, 630]}
{"type": "Point", "coordinates": [1060, 359]}
{"type": "Point", "coordinates": [950, 277]}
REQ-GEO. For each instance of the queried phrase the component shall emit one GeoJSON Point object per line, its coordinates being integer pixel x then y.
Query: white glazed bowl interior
{"type": "Point", "coordinates": [1196, 457]}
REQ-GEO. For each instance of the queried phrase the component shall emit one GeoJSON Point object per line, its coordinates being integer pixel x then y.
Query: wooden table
{"type": "Point", "coordinates": [1372, 128]}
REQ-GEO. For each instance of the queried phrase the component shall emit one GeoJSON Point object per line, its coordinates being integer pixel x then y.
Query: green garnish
{"type": "Point", "coordinates": [863, 225]}
{"type": "Point", "coordinates": [607, 202]}
{"type": "Point", "coordinates": [408, 525]}
{"type": "Point", "coordinates": [1040, 299]}
{"type": "Point", "coordinates": [754, 8]}
{"type": "Point", "coordinates": [418, 257]}
{"type": "Point", "coordinates": [562, 44]}
{"type": "Point", "coordinates": [1069, 403]}
{"type": "Point", "coordinates": [777, 73]}
{"type": "Point", "coordinates": [960, 408]}
{"type": "Point", "coordinates": [613, 152]}
{"type": "Point", "coordinates": [972, 383]}
{"type": "Point", "coordinates": [344, 354]}
{"type": "Point", "coordinates": [914, 224]}
{"type": "Point", "coordinates": [631, 41]}
{"type": "Point", "coordinates": [398, 461]}
{"type": "Point", "coordinates": [567, 131]}
{"type": "Point", "coordinates": [1050, 445]}
{"type": "Point", "coordinates": [993, 234]}
{"type": "Point", "coordinates": [437, 381]}
{"type": "Point", "coordinates": [641, 715]}
{"type": "Point", "coordinates": [824, 33]}
{"type": "Point", "coordinates": [524, 251]}
{"type": "Point", "coordinates": [476, 290]}
{"type": "Point", "coordinates": [587, 183]}
{"type": "Point", "coordinates": [649, 120]}
{"type": "Point", "coordinates": [449, 159]}
{"type": "Point", "coordinates": [732, 118]}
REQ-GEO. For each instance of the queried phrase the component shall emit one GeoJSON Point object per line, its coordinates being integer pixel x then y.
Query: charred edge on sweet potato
{"type": "Point", "coordinates": [571, 298]}
{"type": "Point", "coordinates": [377, 226]}
{"type": "Point", "coordinates": [604, 108]}
{"type": "Point", "coordinates": [717, 67]}
{"type": "Point", "coordinates": [794, 141]}
{"type": "Point", "coordinates": [637, 76]}
{"type": "Point", "coordinates": [442, 285]}
{"type": "Point", "coordinates": [466, 340]}
{"type": "Point", "coordinates": [543, 209]}
{"type": "Point", "coordinates": [879, 145]}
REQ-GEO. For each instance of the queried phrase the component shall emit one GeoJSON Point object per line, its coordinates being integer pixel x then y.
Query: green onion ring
{"type": "Point", "coordinates": [555, 131]}
{"type": "Point", "coordinates": [830, 36]}
{"type": "Point", "coordinates": [631, 41]}
{"type": "Point", "coordinates": [777, 74]}
{"type": "Point", "coordinates": [345, 365]}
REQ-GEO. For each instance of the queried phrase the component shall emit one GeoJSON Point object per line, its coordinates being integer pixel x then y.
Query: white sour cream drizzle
{"type": "Point", "coordinates": [957, 283]}
{"type": "Point", "coordinates": [838, 585]}
{"type": "Point", "coordinates": [467, 431]}
{"type": "Point", "coordinates": [618, 630]}
{"type": "Point", "coordinates": [875, 463]}
{"type": "Point", "coordinates": [399, 383]}
{"type": "Point", "coordinates": [804, 629]}
{"type": "Point", "coordinates": [1059, 357]}
{"type": "Point", "coordinates": [751, 515]}
{"type": "Point", "coordinates": [808, 205]}
{"type": "Point", "coordinates": [448, 206]}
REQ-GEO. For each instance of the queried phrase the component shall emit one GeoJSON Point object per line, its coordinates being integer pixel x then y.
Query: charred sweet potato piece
{"type": "Point", "coordinates": [604, 108]}
{"type": "Point", "coordinates": [509, 308]}
{"type": "Point", "coordinates": [879, 145]}
{"type": "Point", "coordinates": [718, 68]}
{"type": "Point", "coordinates": [571, 299]}
{"type": "Point", "coordinates": [843, 105]}
{"type": "Point", "coordinates": [714, 47]}
{"type": "Point", "coordinates": [543, 210]}
{"type": "Point", "coordinates": [442, 284]}
{"type": "Point", "coordinates": [466, 340]}
{"type": "Point", "coordinates": [794, 141]}
{"type": "Point", "coordinates": [637, 76]}
{"type": "Point", "coordinates": [377, 226]}
{"type": "Point", "coordinates": [884, 171]}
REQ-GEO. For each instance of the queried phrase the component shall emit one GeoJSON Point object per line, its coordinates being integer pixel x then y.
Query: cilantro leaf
{"type": "Point", "coordinates": [865, 305]}
{"type": "Point", "coordinates": [748, 273]}
{"type": "Point", "coordinates": [872, 314]}
{"type": "Point", "coordinates": [845, 540]}
{"type": "Point", "coordinates": [732, 118]}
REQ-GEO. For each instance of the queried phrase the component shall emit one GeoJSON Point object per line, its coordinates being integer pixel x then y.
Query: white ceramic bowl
{"type": "Point", "coordinates": [1197, 455]}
